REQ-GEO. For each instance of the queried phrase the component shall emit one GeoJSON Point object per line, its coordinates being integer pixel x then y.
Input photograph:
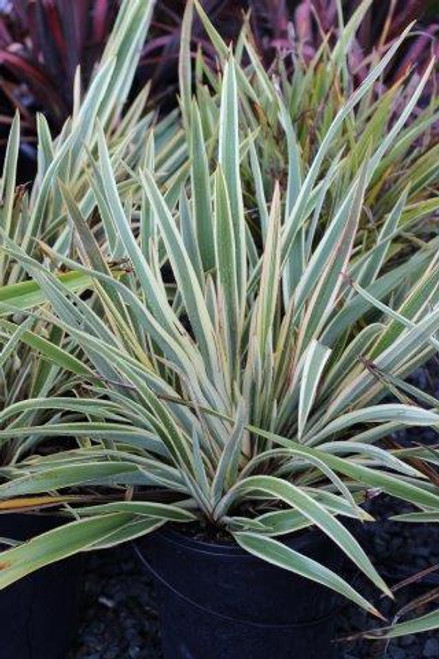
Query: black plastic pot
{"type": "Point", "coordinates": [38, 614]}
{"type": "Point", "coordinates": [219, 602]}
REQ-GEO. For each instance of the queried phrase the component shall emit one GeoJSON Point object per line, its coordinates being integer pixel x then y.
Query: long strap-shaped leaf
{"type": "Point", "coordinates": [227, 273]}
{"type": "Point", "coordinates": [424, 623]}
{"type": "Point", "coordinates": [386, 482]}
{"type": "Point", "coordinates": [201, 190]}
{"type": "Point", "coordinates": [184, 273]}
{"type": "Point", "coordinates": [315, 360]}
{"type": "Point", "coordinates": [401, 351]}
{"type": "Point", "coordinates": [8, 183]}
{"type": "Point", "coordinates": [61, 477]}
{"type": "Point", "coordinates": [393, 412]}
{"type": "Point", "coordinates": [163, 511]}
{"type": "Point", "coordinates": [296, 217]}
{"type": "Point", "coordinates": [57, 544]}
{"type": "Point", "coordinates": [229, 159]}
{"type": "Point", "coordinates": [278, 554]}
{"type": "Point", "coordinates": [298, 499]}
{"type": "Point", "coordinates": [270, 277]}
{"type": "Point", "coordinates": [330, 280]}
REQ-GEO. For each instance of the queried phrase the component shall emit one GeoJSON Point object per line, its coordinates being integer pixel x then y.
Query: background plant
{"type": "Point", "coordinates": [31, 216]}
{"type": "Point", "coordinates": [285, 27]}
{"type": "Point", "coordinates": [42, 43]}
{"type": "Point", "coordinates": [310, 100]}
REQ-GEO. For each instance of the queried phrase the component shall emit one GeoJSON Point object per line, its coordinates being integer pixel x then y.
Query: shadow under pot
{"type": "Point", "coordinates": [39, 614]}
{"type": "Point", "coordinates": [218, 601]}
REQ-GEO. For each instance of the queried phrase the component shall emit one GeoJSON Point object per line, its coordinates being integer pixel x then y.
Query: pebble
{"type": "Point", "coordinates": [431, 648]}
{"type": "Point", "coordinates": [397, 653]}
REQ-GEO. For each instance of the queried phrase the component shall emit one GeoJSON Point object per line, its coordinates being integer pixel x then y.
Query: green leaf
{"type": "Point", "coordinates": [373, 264]}
{"type": "Point", "coordinates": [202, 207]}
{"type": "Point", "coordinates": [329, 282]}
{"type": "Point", "coordinates": [316, 357]}
{"type": "Point", "coordinates": [185, 63]}
{"type": "Point", "coordinates": [9, 177]}
{"type": "Point", "coordinates": [228, 280]}
{"type": "Point", "coordinates": [394, 412]}
{"type": "Point", "coordinates": [296, 217]}
{"type": "Point", "coordinates": [184, 273]}
{"type": "Point", "coordinates": [425, 623]}
{"type": "Point", "coordinates": [57, 544]}
{"type": "Point", "coordinates": [28, 294]}
{"type": "Point", "coordinates": [161, 511]}
{"type": "Point", "coordinates": [298, 499]}
{"type": "Point", "coordinates": [48, 348]}
{"type": "Point", "coordinates": [61, 477]}
{"type": "Point", "coordinates": [282, 556]}
{"type": "Point", "coordinates": [131, 530]}
{"type": "Point", "coordinates": [229, 159]}
{"type": "Point", "coordinates": [427, 517]}
{"type": "Point", "coordinates": [389, 483]}
{"type": "Point", "coordinates": [270, 276]}
{"type": "Point", "coordinates": [228, 466]}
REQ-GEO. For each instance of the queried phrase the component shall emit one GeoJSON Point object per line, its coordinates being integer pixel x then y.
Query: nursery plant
{"type": "Point", "coordinates": [29, 215]}
{"type": "Point", "coordinates": [310, 100]}
{"type": "Point", "coordinates": [61, 88]}
{"type": "Point", "coordinates": [24, 374]}
{"type": "Point", "coordinates": [42, 43]}
{"type": "Point", "coordinates": [293, 31]}
{"type": "Point", "coordinates": [41, 46]}
{"type": "Point", "coordinates": [232, 370]}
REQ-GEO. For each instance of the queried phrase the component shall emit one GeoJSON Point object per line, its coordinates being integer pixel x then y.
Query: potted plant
{"type": "Point", "coordinates": [285, 112]}
{"type": "Point", "coordinates": [48, 600]}
{"type": "Point", "coordinates": [231, 391]}
{"type": "Point", "coordinates": [40, 612]}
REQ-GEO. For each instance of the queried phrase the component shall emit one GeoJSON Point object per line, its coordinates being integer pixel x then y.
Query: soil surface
{"type": "Point", "coordinates": [119, 618]}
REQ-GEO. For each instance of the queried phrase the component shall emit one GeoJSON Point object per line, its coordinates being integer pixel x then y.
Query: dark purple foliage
{"type": "Point", "coordinates": [41, 44]}
{"type": "Point", "coordinates": [284, 26]}
{"type": "Point", "coordinates": [43, 41]}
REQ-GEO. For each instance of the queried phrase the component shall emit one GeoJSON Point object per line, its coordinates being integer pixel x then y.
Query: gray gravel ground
{"type": "Point", "coordinates": [119, 619]}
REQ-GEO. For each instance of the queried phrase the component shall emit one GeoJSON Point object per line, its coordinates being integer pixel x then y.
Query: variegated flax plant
{"type": "Point", "coordinates": [231, 363]}
{"type": "Point", "coordinates": [304, 105]}
{"type": "Point", "coordinates": [31, 217]}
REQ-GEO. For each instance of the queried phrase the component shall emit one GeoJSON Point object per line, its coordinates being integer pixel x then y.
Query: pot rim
{"type": "Point", "coordinates": [296, 541]}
